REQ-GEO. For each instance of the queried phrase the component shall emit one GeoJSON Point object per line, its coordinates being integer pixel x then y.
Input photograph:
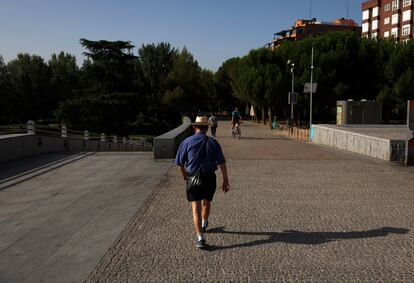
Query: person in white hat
{"type": "Point", "coordinates": [201, 153]}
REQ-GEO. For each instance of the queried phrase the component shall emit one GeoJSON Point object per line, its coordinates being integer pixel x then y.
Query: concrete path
{"type": "Point", "coordinates": [56, 226]}
{"type": "Point", "coordinates": [296, 212]}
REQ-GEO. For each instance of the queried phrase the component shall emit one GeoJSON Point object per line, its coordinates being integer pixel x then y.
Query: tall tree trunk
{"type": "Point", "coordinates": [263, 115]}
{"type": "Point", "coordinates": [256, 118]}
{"type": "Point", "coordinates": [269, 111]}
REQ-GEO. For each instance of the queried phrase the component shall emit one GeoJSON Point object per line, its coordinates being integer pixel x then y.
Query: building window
{"type": "Point", "coordinates": [386, 34]}
{"type": "Point", "coordinates": [406, 16]}
{"type": "Point", "coordinates": [365, 27]}
{"type": "Point", "coordinates": [395, 4]}
{"type": "Point", "coordinates": [374, 25]}
{"type": "Point", "coordinates": [394, 19]}
{"type": "Point", "coordinates": [406, 3]}
{"type": "Point", "coordinates": [387, 21]}
{"type": "Point", "coordinates": [406, 30]}
{"type": "Point", "coordinates": [394, 32]}
{"type": "Point", "coordinates": [374, 35]}
{"type": "Point", "coordinates": [387, 7]}
{"type": "Point", "coordinates": [375, 12]}
{"type": "Point", "coordinates": [365, 15]}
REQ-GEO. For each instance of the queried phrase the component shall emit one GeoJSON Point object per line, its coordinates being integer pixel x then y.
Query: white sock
{"type": "Point", "coordinates": [200, 236]}
{"type": "Point", "coordinates": [203, 222]}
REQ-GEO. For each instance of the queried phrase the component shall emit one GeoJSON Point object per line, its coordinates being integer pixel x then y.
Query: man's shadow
{"type": "Point", "coordinates": [303, 238]}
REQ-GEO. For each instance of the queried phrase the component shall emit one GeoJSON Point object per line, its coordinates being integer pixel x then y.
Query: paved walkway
{"type": "Point", "coordinates": [296, 212]}
{"type": "Point", "coordinates": [57, 222]}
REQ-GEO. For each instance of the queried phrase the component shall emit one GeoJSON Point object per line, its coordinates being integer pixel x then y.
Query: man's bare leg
{"type": "Point", "coordinates": [196, 206]}
{"type": "Point", "coordinates": [205, 212]}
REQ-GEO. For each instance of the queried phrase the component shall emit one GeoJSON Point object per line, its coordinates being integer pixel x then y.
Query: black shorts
{"type": "Point", "coordinates": [208, 193]}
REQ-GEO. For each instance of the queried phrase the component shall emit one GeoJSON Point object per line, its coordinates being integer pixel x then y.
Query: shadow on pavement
{"type": "Point", "coordinates": [270, 139]}
{"type": "Point", "coordinates": [21, 166]}
{"type": "Point", "coordinates": [303, 238]}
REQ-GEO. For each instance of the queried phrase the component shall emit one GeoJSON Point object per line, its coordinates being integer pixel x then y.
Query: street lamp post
{"type": "Point", "coordinates": [311, 89]}
{"type": "Point", "coordinates": [292, 71]}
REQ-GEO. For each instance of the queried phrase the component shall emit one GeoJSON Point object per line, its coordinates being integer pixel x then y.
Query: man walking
{"type": "Point", "coordinates": [198, 152]}
{"type": "Point", "coordinates": [212, 121]}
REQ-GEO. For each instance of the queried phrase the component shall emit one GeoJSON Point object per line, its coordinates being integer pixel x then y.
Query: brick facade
{"type": "Point", "coordinates": [389, 19]}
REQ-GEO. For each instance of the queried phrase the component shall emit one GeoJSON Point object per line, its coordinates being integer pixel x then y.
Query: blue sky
{"type": "Point", "coordinates": [212, 30]}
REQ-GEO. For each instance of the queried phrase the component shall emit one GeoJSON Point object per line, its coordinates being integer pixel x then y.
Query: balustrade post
{"type": "Point", "coordinates": [64, 132]}
{"type": "Point", "coordinates": [86, 135]}
{"type": "Point", "coordinates": [31, 127]}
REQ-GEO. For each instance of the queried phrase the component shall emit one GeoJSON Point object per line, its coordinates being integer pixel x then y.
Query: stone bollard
{"type": "Point", "coordinates": [64, 132]}
{"type": "Point", "coordinates": [103, 138]}
{"type": "Point", "coordinates": [31, 127]}
{"type": "Point", "coordinates": [86, 135]}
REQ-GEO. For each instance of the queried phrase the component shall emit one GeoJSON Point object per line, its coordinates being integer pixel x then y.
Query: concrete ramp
{"type": "Point", "coordinates": [56, 226]}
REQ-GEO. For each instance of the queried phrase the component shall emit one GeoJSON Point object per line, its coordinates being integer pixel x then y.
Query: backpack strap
{"type": "Point", "coordinates": [203, 152]}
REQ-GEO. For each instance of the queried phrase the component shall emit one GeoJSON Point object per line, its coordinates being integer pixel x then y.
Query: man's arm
{"type": "Point", "coordinates": [183, 173]}
{"type": "Point", "coordinates": [226, 185]}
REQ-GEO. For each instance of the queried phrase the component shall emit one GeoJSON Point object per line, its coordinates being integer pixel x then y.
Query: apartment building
{"type": "Point", "coordinates": [306, 28]}
{"type": "Point", "coordinates": [389, 19]}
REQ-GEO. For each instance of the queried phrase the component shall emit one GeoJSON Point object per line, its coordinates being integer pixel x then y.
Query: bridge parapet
{"type": "Point", "coordinates": [380, 141]}
{"type": "Point", "coordinates": [40, 140]}
{"type": "Point", "coordinates": [166, 145]}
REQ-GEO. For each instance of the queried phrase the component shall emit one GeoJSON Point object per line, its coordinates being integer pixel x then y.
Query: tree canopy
{"type": "Point", "coordinates": [122, 92]}
{"type": "Point", "coordinates": [346, 67]}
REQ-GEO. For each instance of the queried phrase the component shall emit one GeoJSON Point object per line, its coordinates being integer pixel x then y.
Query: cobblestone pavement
{"type": "Point", "coordinates": [296, 212]}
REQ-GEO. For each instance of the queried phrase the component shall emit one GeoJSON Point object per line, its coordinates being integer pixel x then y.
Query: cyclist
{"type": "Point", "coordinates": [235, 118]}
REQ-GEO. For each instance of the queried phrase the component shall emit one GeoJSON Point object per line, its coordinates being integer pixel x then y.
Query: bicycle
{"type": "Point", "coordinates": [236, 132]}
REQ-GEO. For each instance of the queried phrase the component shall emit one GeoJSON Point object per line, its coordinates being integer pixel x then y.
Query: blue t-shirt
{"type": "Point", "coordinates": [236, 115]}
{"type": "Point", "coordinates": [191, 150]}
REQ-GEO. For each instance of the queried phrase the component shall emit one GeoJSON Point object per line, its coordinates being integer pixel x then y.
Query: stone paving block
{"type": "Point", "coordinates": [296, 212]}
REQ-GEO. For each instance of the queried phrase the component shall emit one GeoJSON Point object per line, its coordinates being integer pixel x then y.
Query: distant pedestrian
{"type": "Point", "coordinates": [212, 122]}
{"type": "Point", "coordinates": [252, 113]}
{"type": "Point", "coordinates": [198, 157]}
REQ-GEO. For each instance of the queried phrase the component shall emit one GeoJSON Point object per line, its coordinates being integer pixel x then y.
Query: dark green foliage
{"type": "Point", "coordinates": [118, 92]}
{"type": "Point", "coordinates": [346, 67]}
{"type": "Point", "coordinates": [64, 77]}
{"type": "Point", "coordinates": [28, 77]}
{"type": "Point", "coordinates": [6, 96]}
{"type": "Point", "coordinates": [114, 91]}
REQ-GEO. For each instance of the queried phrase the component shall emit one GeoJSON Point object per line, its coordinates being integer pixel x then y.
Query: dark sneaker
{"type": "Point", "coordinates": [204, 228]}
{"type": "Point", "coordinates": [201, 244]}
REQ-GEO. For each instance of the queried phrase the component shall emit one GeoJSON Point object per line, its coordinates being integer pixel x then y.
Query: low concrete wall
{"type": "Point", "coordinates": [20, 146]}
{"type": "Point", "coordinates": [166, 145]}
{"type": "Point", "coordinates": [297, 133]}
{"type": "Point", "coordinates": [391, 150]}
